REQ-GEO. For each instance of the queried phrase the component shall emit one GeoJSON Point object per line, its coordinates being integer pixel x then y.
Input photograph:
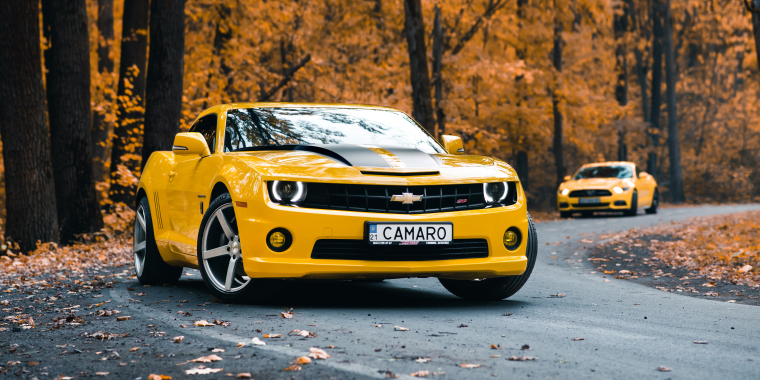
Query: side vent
{"type": "Point", "coordinates": [159, 222]}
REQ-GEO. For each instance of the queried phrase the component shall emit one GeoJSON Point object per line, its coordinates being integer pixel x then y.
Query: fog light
{"type": "Point", "coordinates": [279, 239]}
{"type": "Point", "coordinates": [512, 238]}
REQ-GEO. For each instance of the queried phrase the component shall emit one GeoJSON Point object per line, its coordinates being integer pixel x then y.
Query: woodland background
{"type": "Point", "coordinates": [547, 86]}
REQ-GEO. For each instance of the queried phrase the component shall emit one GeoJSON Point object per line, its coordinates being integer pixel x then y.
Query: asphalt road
{"type": "Point", "coordinates": [628, 330]}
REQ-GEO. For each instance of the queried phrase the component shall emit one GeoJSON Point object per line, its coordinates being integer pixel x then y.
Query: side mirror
{"type": "Point", "coordinates": [567, 178]}
{"type": "Point", "coordinates": [643, 174]}
{"type": "Point", "coordinates": [452, 144]}
{"type": "Point", "coordinates": [190, 144]}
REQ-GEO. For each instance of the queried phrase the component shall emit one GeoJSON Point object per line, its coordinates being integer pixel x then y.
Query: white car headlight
{"type": "Point", "coordinates": [619, 190]}
{"type": "Point", "coordinates": [565, 192]}
{"type": "Point", "coordinates": [495, 192]}
{"type": "Point", "coordinates": [288, 192]}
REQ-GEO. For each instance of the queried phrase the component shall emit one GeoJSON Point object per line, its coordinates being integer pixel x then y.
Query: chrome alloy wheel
{"type": "Point", "coordinates": [222, 259]}
{"type": "Point", "coordinates": [139, 241]}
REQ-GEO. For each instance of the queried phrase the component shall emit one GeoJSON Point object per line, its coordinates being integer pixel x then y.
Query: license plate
{"type": "Point", "coordinates": [589, 200]}
{"type": "Point", "coordinates": [390, 233]}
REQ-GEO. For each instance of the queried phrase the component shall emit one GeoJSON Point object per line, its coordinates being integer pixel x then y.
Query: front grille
{"type": "Point", "coordinates": [582, 205]}
{"type": "Point", "coordinates": [343, 249]}
{"type": "Point", "coordinates": [589, 193]}
{"type": "Point", "coordinates": [377, 198]}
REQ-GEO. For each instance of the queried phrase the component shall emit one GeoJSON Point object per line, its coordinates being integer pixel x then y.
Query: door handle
{"type": "Point", "coordinates": [171, 175]}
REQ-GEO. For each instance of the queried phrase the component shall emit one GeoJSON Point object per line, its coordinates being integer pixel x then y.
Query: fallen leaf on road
{"type": "Point", "coordinates": [131, 289]}
{"type": "Point", "coordinates": [558, 295]}
{"type": "Point", "coordinates": [293, 367]}
{"type": "Point", "coordinates": [244, 375]}
{"type": "Point", "coordinates": [731, 301]}
{"type": "Point", "coordinates": [700, 342]}
{"type": "Point", "coordinates": [286, 315]}
{"type": "Point", "coordinates": [207, 359]}
{"type": "Point", "coordinates": [202, 323]}
{"type": "Point", "coordinates": [182, 325]}
{"type": "Point", "coordinates": [124, 318]}
{"type": "Point", "coordinates": [495, 356]}
{"type": "Point", "coordinates": [201, 370]}
{"type": "Point", "coordinates": [273, 336]}
{"type": "Point", "coordinates": [465, 365]}
{"type": "Point", "coordinates": [624, 271]}
{"type": "Point", "coordinates": [303, 360]}
{"type": "Point", "coordinates": [158, 377]}
{"type": "Point", "coordinates": [577, 339]}
{"type": "Point", "coordinates": [399, 328]}
{"type": "Point", "coordinates": [378, 325]}
{"type": "Point", "coordinates": [178, 339]}
{"type": "Point", "coordinates": [240, 344]}
{"type": "Point", "coordinates": [422, 360]}
{"type": "Point", "coordinates": [525, 347]}
{"type": "Point", "coordinates": [318, 353]}
{"type": "Point", "coordinates": [522, 358]}
{"type": "Point", "coordinates": [495, 347]}
{"type": "Point", "coordinates": [420, 374]}
{"type": "Point", "coordinates": [663, 369]}
{"type": "Point", "coordinates": [218, 350]}
{"type": "Point", "coordinates": [745, 268]}
{"type": "Point", "coordinates": [133, 349]}
{"type": "Point", "coordinates": [141, 294]}
{"type": "Point", "coordinates": [102, 373]}
{"type": "Point", "coordinates": [221, 323]}
{"type": "Point", "coordinates": [258, 342]}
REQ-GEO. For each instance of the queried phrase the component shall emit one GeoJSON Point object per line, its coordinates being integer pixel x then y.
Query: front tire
{"type": "Point", "coordinates": [565, 214]}
{"type": "Point", "coordinates": [150, 268]}
{"type": "Point", "coordinates": [655, 202]}
{"type": "Point", "coordinates": [220, 257]}
{"type": "Point", "coordinates": [634, 205]}
{"type": "Point", "coordinates": [499, 288]}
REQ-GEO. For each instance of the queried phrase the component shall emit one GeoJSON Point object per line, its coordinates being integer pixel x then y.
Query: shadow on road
{"type": "Point", "coordinates": [389, 294]}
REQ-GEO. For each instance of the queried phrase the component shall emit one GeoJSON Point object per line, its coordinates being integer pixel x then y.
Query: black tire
{"type": "Point", "coordinates": [587, 214]}
{"type": "Point", "coordinates": [634, 205]}
{"type": "Point", "coordinates": [655, 202]}
{"type": "Point", "coordinates": [150, 268]}
{"type": "Point", "coordinates": [565, 214]}
{"type": "Point", "coordinates": [246, 290]}
{"type": "Point", "coordinates": [499, 288]}
{"type": "Point", "coordinates": [369, 280]}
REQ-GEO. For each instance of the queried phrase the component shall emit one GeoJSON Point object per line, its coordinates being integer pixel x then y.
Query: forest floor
{"type": "Point", "coordinates": [710, 257]}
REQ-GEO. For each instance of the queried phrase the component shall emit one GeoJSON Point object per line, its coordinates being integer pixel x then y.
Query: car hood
{"type": "Point", "coordinates": [354, 163]}
{"type": "Point", "coordinates": [596, 183]}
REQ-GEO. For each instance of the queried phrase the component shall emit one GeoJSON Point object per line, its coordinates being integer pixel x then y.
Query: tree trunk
{"type": "Point", "coordinates": [437, 69]}
{"type": "Point", "coordinates": [620, 27]}
{"type": "Point", "coordinates": [29, 186]}
{"type": "Point", "coordinates": [130, 95]}
{"type": "Point", "coordinates": [163, 95]}
{"type": "Point", "coordinates": [676, 176]}
{"type": "Point", "coordinates": [422, 110]}
{"type": "Point", "coordinates": [522, 168]}
{"type": "Point", "coordinates": [656, 86]}
{"type": "Point", "coordinates": [101, 126]}
{"type": "Point", "coordinates": [68, 95]}
{"type": "Point", "coordinates": [754, 7]}
{"type": "Point", "coordinates": [559, 159]}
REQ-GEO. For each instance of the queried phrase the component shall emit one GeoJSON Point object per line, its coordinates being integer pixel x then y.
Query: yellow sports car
{"type": "Point", "coordinates": [608, 186]}
{"type": "Point", "coordinates": [257, 193]}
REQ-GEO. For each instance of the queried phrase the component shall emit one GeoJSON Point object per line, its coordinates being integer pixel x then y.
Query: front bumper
{"type": "Point", "coordinates": [309, 225]}
{"type": "Point", "coordinates": [614, 202]}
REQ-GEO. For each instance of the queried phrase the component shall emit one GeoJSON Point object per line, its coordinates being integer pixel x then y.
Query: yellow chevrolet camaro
{"type": "Point", "coordinates": [608, 186]}
{"type": "Point", "coordinates": [257, 193]}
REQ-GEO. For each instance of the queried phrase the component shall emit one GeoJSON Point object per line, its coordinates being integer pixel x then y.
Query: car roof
{"type": "Point", "coordinates": [229, 106]}
{"type": "Point", "coordinates": [608, 163]}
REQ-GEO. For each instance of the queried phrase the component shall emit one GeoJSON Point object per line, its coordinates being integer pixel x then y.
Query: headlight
{"type": "Point", "coordinates": [288, 192]}
{"type": "Point", "coordinates": [618, 190]}
{"type": "Point", "coordinates": [495, 192]}
{"type": "Point", "coordinates": [565, 192]}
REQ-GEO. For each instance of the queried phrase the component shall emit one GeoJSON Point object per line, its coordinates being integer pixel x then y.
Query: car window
{"type": "Point", "coordinates": [254, 128]}
{"type": "Point", "coordinates": [609, 171]}
{"type": "Point", "coordinates": [207, 127]}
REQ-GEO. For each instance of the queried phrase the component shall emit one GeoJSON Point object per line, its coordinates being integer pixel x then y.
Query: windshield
{"type": "Point", "coordinates": [611, 171]}
{"type": "Point", "coordinates": [252, 128]}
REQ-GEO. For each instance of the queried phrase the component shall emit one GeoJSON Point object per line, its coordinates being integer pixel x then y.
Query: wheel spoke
{"type": "Point", "coordinates": [141, 220]}
{"type": "Point", "coordinates": [230, 274]}
{"type": "Point", "coordinates": [139, 247]}
{"type": "Point", "coordinates": [216, 252]}
{"type": "Point", "coordinates": [225, 225]}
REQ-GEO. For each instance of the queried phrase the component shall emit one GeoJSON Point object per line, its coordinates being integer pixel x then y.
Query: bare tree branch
{"type": "Point", "coordinates": [265, 95]}
{"type": "Point", "coordinates": [493, 6]}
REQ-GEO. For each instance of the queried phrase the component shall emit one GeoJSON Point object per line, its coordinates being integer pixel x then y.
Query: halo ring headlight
{"type": "Point", "coordinates": [495, 192]}
{"type": "Point", "coordinates": [288, 192]}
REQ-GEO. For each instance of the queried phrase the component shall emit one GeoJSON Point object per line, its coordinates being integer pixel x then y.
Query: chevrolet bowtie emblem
{"type": "Point", "coordinates": [406, 198]}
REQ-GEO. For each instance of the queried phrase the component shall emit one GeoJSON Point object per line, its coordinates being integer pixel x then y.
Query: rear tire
{"type": "Point", "coordinates": [655, 202]}
{"type": "Point", "coordinates": [220, 258]}
{"type": "Point", "coordinates": [634, 205]}
{"type": "Point", "coordinates": [150, 268]}
{"type": "Point", "coordinates": [499, 288]}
